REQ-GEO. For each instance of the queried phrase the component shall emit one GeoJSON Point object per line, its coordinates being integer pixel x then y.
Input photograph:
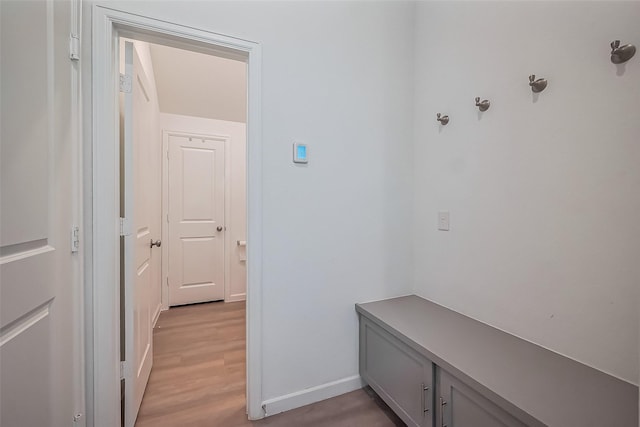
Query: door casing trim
{"type": "Point", "coordinates": [102, 200]}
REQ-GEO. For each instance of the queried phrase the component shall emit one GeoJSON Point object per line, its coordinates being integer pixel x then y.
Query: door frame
{"type": "Point", "coordinates": [166, 133]}
{"type": "Point", "coordinates": [102, 200]}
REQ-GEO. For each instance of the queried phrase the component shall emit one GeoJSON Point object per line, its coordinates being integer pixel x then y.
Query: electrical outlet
{"type": "Point", "coordinates": [443, 221]}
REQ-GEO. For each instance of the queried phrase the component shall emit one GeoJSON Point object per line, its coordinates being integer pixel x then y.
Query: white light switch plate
{"type": "Point", "coordinates": [443, 221]}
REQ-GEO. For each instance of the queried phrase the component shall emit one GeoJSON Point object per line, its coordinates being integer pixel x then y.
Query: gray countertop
{"type": "Point", "coordinates": [550, 388]}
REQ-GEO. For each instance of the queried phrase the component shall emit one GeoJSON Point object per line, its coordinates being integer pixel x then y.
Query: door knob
{"type": "Point", "coordinates": [156, 243]}
{"type": "Point", "coordinates": [219, 228]}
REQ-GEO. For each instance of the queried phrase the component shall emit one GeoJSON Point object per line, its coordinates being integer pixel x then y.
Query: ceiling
{"type": "Point", "coordinates": [200, 85]}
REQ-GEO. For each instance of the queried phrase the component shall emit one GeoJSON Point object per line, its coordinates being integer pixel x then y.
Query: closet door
{"type": "Point", "coordinates": [196, 219]}
{"type": "Point", "coordinates": [402, 377]}
{"type": "Point", "coordinates": [40, 301]}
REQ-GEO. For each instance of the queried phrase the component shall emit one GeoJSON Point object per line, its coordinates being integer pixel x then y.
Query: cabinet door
{"type": "Point", "coordinates": [461, 406]}
{"type": "Point", "coordinates": [401, 376]}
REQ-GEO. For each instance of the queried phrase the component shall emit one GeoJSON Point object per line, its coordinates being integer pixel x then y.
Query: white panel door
{"type": "Point", "coordinates": [39, 300]}
{"type": "Point", "coordinates": [196, 219]}
{"type": "Point", "coordinates": [138, 210]}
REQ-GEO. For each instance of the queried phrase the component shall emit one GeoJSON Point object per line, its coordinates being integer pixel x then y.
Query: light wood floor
{"type": "Point", "coordinates": [198, 378]}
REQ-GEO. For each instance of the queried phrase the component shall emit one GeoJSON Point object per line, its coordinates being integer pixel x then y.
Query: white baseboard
{"type": "Point", "coordinates": [311, 395]}
{"type": "Point", "coordinates": [236, 297]}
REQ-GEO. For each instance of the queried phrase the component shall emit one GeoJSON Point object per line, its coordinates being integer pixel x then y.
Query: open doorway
{"type": "Point", "coordinates": [102, 207]}
{"type": "Point", "coordinates": [203, 115]}
{"type": "Point", "coordinates": [183, 191]}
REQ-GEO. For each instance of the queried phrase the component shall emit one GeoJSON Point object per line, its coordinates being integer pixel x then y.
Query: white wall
{"type": "Point", "coordinates": [543, 191]}
{"type": "Point", "coordinates": [235, 211]}
{"type": "Point", "coordinates": [338, 76]}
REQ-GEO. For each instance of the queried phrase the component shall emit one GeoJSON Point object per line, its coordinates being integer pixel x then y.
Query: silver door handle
{"type": "Point", "coordinates": [442, 404]}
{"type": "Point", "coordinates": [156, 243]}
{"type": "Point", "coordinates": [425, 389]}
{"type": "Point", "coordinates": [219, 228]}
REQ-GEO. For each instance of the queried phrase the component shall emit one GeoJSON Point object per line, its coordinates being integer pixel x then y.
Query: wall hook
{"type": "Point", "coordinates": [537, 85]}
{"type": "Point", "coordinates": [484, 105]}
{"type": "Point", "coordinates": [621, 54]}
{"type": "Point", "coordinates": [443, 119]}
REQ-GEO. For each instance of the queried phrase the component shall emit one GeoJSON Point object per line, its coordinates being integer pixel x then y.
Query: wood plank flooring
{"type": "Point", "coordinates": [198, 378]}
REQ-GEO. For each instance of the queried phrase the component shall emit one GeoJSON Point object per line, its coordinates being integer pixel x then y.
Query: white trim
{"type": "Point", "coordinates": [312, 395]}
{"type": "Point", "coordinates": [164, 294]}
{"type": "Point", "coordinates": [227, 217]}
{"type": "Point", "coordinates": [103, 312]}
{"type": "Point", "coordinates": [236, 297]}
{"type": "Point", "coordinates": [104, 397]}
{"type": "Point", "coordinates": [80, 324]}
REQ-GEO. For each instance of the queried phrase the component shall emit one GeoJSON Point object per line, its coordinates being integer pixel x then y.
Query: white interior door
{"type": "Point", "coordinates": [196, 219]}
{"type": "Point", "coordinates": [39, 299]}
{"type": "Point", "coordinates": [138, 210]}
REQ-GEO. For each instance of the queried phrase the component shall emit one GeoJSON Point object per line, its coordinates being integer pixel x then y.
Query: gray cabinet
{"type": "Point", "coordinates": [400, 375]}
{"type": "Point", "coordinates": [461, 406]}
{"type": "Point", "coordinates": [404, 379]}
{"type": "Point", "coordinates": [414, 353]}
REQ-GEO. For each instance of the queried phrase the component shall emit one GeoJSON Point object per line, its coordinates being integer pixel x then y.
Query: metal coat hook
{"type": "Point", "coordinates": [484, 105]}
{"type": "Point", "coordinates": [621, 54]}
{"type": "Point", "coordinates": [537, 85]}
{"type": "Point", "coordinates": [443, 119]}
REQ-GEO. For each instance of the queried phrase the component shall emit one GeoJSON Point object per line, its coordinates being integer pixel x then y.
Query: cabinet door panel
{"type": "Point", "coordinates": [465, 407]}
{"type": "Point", "coordinates": [398, 374]}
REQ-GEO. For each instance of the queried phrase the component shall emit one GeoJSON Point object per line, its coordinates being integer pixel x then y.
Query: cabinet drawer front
{"type": "Point", "coordinates": [397, 373]}
{"type": "Point", "coordinates": [465, 407]}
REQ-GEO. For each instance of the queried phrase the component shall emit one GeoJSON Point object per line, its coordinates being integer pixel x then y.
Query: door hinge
{"type": "Point", "coordinates": [125, 227]}
{"type": "Point", "coordinates": [74, 47]}
{"type": "Point", "coordinates": [123, 369]}
{"type": "Point", "coordinates": [125, 83]}
{"type": "Point", "coordinates": [75, 239]}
